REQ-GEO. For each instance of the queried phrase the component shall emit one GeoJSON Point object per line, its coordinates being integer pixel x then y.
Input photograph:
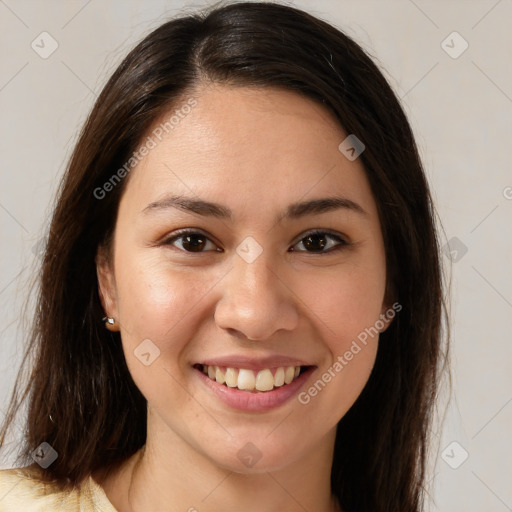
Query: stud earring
{"type": "Point", "coordinates": [110, 324]}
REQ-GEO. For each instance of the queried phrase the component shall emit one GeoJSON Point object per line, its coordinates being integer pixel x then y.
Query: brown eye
{"type": "Point", "coordinates": [191, 241]}
{"type": "Point", "coordinates": [194, 243]}
{"type": "Point", "coordinates": [317, 241]}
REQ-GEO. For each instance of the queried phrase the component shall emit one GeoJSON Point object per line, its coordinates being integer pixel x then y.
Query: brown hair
{"type": "Point", "coordinates": [82, 399]}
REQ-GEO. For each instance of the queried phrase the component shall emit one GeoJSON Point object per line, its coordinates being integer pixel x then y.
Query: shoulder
{"type": "Point", "coordinates": [20, 489]}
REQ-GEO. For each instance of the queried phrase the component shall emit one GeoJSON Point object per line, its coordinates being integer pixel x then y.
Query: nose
{"type": "Point", "coordinates": [256, 301]}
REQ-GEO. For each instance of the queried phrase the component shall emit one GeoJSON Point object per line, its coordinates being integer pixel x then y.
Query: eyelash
{"type": "Point", "coordinates": [342, 243]}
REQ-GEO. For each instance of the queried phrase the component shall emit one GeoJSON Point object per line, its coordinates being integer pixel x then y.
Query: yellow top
{"type": "Point", "coordinates": [20, 491]}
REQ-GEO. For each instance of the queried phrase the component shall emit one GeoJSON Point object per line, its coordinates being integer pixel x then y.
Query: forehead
{"type": "Point", "coordinates": [249, 147]}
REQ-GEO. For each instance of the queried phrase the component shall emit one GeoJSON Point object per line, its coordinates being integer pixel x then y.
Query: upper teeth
{"type": "Point", "coordinates": [248, 380]}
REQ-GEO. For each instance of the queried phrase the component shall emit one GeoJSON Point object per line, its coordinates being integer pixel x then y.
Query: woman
{"type": "Point", "coordinates": [241, 296]}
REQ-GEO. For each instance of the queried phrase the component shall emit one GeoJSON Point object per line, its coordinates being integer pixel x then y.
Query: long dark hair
{"type": "Point", "coordinates": [82, 399]}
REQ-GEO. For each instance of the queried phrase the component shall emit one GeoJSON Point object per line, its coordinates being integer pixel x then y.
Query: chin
{"type": "Point", "coordinates": [257, 454]}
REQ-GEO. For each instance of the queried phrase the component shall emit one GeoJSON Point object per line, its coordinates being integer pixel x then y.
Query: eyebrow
{"type": "Point", "coordinates": [292, 212]}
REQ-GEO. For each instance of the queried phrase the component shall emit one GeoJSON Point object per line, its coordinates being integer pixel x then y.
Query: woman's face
{"type": "Point", "coordinates": [249, 287]}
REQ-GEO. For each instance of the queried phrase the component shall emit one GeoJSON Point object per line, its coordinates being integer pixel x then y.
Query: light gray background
{"type": "Point", "coordinates": [461, 111]}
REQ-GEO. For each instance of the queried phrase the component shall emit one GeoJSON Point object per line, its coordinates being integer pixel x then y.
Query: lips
{"type": "Point", "coordinates": [253, 400]}
{"type": "Point", "coordinates": [253, 375]}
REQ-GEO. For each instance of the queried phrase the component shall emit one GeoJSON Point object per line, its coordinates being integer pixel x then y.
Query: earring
{"type": "Point", "coordinates": [110, 324]}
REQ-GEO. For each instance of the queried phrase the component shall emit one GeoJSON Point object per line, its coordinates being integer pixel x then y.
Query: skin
{"type": "Point", "coordinates": [255, 152]}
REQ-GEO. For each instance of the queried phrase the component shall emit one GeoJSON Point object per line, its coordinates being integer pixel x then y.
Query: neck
{"type": "Point", "coordinates": [170, 475]}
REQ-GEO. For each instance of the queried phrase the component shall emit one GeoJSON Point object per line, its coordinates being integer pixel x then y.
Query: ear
{"type": "Point", "coordinates": [388, 313]}
{"type": "Point", "coordinates": [384, 318]}
{"type": "Point", "coordinates": [106, 283]}
{"type": "Point", "coordinates": [390, 307]}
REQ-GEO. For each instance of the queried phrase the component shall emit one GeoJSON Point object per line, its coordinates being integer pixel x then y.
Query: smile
{"type": "Point", "coordinates": [253, 389]}
{"type": "Point", "coordinates": [260, 381]}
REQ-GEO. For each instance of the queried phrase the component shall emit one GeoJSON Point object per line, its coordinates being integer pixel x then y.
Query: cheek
{"type": "Point", "coordinates": [348, 315]}
{"type": "Point", "coordinates": [347, 300]}
{"type": "Point", "coordinates": [158, 303]}
{"type": "Point", "coordinates": [347, 304]}
{"type": "Point", "coordinates": [163, 306]}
